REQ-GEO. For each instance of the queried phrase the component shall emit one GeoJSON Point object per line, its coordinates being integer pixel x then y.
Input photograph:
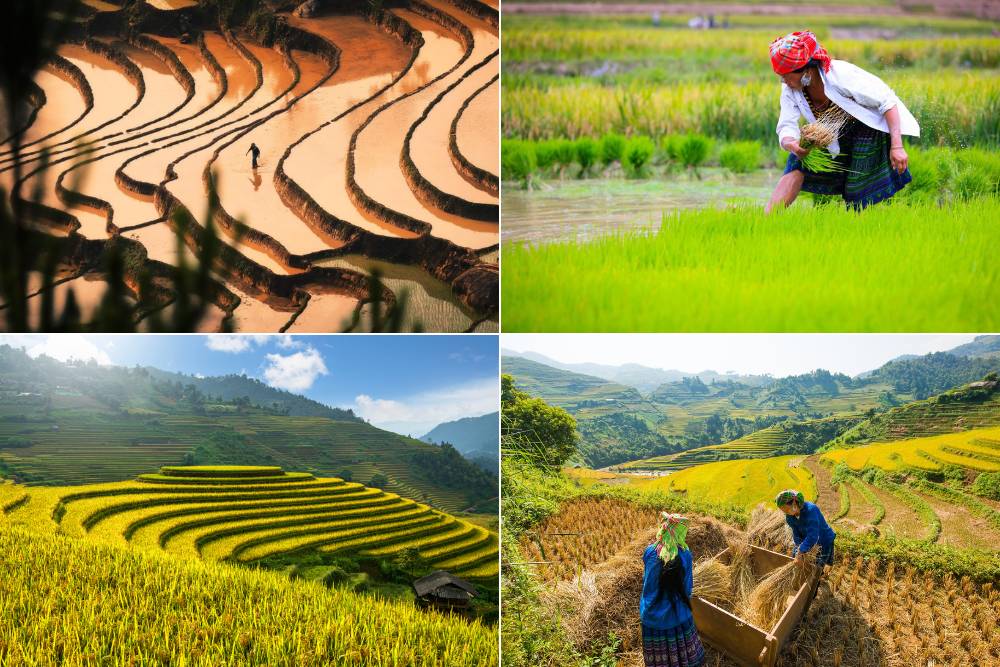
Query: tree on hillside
{"type": "Point", "coordinates": [533, 430]}
{"type": "Point", "coordinates": [378, 481]}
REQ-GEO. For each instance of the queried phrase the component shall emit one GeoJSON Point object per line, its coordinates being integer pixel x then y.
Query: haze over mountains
{"type": "Point", "coordinates": [477, 438]}
{"type": "Point", "coordinates": [619, 422]}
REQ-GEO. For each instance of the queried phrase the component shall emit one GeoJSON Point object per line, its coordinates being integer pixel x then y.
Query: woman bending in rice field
{"type": "Point", "coordinates": [853, 112]}
{"type": "Point", "coordinates": [669, 638]}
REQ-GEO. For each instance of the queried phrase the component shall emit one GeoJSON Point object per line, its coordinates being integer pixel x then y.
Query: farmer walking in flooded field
{"type": "Point", "coordinates": [852, 145]}
{"type": "Point", "coordinates": [669, 638]}
{"type": "Point", "coordinates": [254, 154]}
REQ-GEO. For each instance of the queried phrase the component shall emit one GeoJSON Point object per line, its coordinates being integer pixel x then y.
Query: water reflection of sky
{"type": "Point", "coordinates": [583, 209]}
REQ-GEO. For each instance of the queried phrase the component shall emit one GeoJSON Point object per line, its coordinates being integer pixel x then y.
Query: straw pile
{"type": "Point", "coordinates": [769, 599]}
{"type": "Point", "coordinates": [606, 598]}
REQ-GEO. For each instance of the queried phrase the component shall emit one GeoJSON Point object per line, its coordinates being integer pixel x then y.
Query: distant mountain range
{"type": "Point", "coordinates": [477, 438]}
{"type": "Point", "coordinates": [618, 422]}
{"type": "Point", "coordinates": [643, 378]}
{"type": "Point", "coordinates": [231, 387]}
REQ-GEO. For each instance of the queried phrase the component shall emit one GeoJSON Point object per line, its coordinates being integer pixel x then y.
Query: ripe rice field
{"type": "Point", "coordinates": [378, 135]}
{"type": "Point", "coordinates": [91, 602]}
{"type": "Point", "coordinates": [759, 444]}
{"type": "Point", "coordinates": [888, 268]}
{"type": "Point", "coordinates": [978, 449]}
{"type": "Point", "coordinates": [246, 514]}
{"type": "Point", "coordinates": [743, 483]}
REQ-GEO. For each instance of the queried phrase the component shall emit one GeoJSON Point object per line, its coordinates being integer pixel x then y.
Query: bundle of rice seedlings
{"type": "Point", "coordinates": [818, 135]}
{"type": "Point", "coordinates": [769, 598]}
{"type": "Point", "coordinates": [713, 582]}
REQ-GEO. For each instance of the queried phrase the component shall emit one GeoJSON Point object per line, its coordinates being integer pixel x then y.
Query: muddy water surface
{"type": "Point", "coordinates": [429, 145]}
{"type": "Point", "coordinates": [583, 209]}
{"type": "Point", "coordinates": [63, 105]}
{"type": "Point", "coordinates": [476, 142]}
{"type": "Point", "coordinates": [369, 60]}
{"type": "Point", "coordinates": [319, 163]}
{"type": "Point", "coordinates": [380, 144]}
{"type": "Point", "coordinates": [325, 313]}
{"type": "Point", "coordinates": [113, 93]}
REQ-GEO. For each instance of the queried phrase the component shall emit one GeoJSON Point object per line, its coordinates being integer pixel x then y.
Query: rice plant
{"type": "Point", "coordinates": [887, 268]}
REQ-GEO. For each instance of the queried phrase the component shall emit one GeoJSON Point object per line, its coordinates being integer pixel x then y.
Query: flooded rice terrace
{"type": "Point", "coordinates": [578, 210]}
{"type": "Point", "coordinates": [377, 136]}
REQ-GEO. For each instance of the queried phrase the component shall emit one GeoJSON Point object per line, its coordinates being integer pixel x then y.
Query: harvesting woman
{"type": "Point", "coordinates": [809, 526]}
{"type": "Point", "coordinates": [852, 143]}
{"type": "Point", "coordinates": [669, 638]}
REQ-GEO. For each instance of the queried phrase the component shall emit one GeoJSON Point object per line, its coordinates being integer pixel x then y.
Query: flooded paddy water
{"type": "Point", "coordinates": [584, 209]}
{"type": "Point", "coordinates": [303, 113]}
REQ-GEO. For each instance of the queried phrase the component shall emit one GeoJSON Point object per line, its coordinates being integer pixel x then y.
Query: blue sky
{"type": "Point", "coordinates": [403, 383]}
{"type": "Point", "coordinates": [779, 355]}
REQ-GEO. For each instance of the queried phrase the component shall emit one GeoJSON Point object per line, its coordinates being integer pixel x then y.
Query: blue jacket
{"type": "Point", "coordinates": [668, 611]}
{"type": "Point", "coordinates": [809, 528]}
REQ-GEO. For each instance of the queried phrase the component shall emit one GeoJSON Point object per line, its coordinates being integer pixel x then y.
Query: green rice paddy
{"type": "Point", "coordinates": [894, 267]}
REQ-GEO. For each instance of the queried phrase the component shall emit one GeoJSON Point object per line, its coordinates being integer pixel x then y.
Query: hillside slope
{"type": "Point", "coordinates": [477, 438]}
{"type": "Point", "coordinates": [83, 423]}
{"type": "Point", "coordinates": [974, 405]}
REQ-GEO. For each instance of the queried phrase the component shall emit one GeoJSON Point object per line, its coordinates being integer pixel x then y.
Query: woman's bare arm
{"type": "Point", "coordinates": [897, 154]}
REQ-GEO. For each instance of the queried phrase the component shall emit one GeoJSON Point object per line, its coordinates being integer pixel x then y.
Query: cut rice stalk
{"type": "Point", "coordinates": [713, 582]}
{"type": "Point", "coordinates": [741, 571]}
{"type": "Point", "coordinates": [768, 600]}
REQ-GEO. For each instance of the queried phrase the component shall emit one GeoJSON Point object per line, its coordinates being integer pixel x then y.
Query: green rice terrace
{"type": "Point", "coordinates": [637, 156]}
{"type": "Point", "coordinates": [325, 564]}
{"type": "Point", "coordinates": [377, 130]}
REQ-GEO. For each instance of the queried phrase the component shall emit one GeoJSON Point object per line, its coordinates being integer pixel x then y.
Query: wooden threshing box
{"type": "Point", "coordinates": [745, 643]}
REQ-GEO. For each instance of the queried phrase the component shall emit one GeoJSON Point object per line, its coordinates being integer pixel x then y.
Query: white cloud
{"type": "Point", "coordinates": [234, 343]}
{"type": "Point", "coordinates": [65, 347]}
{"type": "Point", "coordinates": [294, 372]}
{"type": "Point", "coordinates": [287, 342]}
{"type": "Point", "coordinates": [418, 414]}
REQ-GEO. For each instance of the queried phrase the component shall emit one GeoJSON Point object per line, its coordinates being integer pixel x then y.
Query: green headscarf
{"type": "Point", "coordinates": [670, 536]}
{"type": "Point", "coordinates": [787, 496]}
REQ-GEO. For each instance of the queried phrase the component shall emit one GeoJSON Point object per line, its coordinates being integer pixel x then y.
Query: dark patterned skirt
{"type": "Point", "coordinates": [676, 647]}
{"type": "Point", "coordinates": [869, 178]}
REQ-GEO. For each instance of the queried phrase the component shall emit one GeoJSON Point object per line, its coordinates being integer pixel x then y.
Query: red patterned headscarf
{"type": "Point", "coordinates": [794, 50]}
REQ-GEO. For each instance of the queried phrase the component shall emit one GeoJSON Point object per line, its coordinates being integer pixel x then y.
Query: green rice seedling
{"type": "Point", "coordinates": [890, 267]}
{"type": "Point", "coordinates": [587, 151]}
{"type": "Point", "coordinates": [670, 145]}
{"type": "Point", "coordinates": [740, 157]}
{"type": "Point", "coordinates": [638, 154]}
{"type": "Point", "coordinates": [517, 161]}
{"type": "Point", "coordinates": [694, 150]}
{"type": "Point", "coordinates": [565, 154]}
{"type": "Point", "coordinates": [612, 148]}
{"type": "Point", "coordinates": [820, 161]}
{"type": "Point", "coordinates": [545, 154]}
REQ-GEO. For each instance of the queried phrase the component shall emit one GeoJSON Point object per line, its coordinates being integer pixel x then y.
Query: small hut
{"type": "Point", "coordinates": [443, 589]}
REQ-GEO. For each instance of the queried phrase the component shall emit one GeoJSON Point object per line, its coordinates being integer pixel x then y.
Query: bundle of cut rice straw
{"type": "Point", "coordinates": [768, 600]}
{"type": "Point", "coordinates": [741, 570]}
{"type": "Point", "coordinates": [767, 528]}
{"type": "Point", "coordinates": [713, 582]}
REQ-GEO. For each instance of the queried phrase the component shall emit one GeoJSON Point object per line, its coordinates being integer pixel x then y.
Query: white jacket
{"type": "Point", "coordinates": [861, 94]}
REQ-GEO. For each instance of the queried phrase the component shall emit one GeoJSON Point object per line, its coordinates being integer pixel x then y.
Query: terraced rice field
{"type": "Point", "coordinates": [744, 482]}
{"type": "Point", "coordinates": [757, 445]}
{"type": "Point", "coordinates": [244, 514]}
{"type": "Point", "coordinates": [978, 449]}
{"type": "Point", "coordinates": [378, 138]}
